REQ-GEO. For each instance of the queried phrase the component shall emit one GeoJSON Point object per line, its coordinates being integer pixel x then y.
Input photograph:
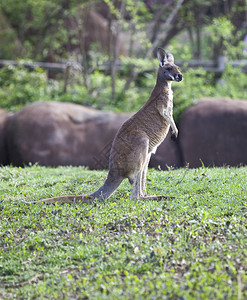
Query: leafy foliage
{"type": "Point", "coordinates": [19, 86]}
{"type": "Point", "coordinates": [233, 83]}
{"type": "Point", "coordinates": [128, 89]}
{"type": "Point", "coordinates": [189, 247]}
{"type": "Point", "coordinates": [9, 43]}
{"type": "Point", "coordinates": [39, 25]}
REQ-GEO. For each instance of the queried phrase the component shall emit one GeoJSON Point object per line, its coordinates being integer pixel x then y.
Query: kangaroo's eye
{"type": "Point", "coordinates": [169, 69]}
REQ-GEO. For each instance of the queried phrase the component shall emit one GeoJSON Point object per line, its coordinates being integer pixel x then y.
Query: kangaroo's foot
{"type": "Point", "coordinates": [157, 198]}
{"type": "Point", "coordinates": [143, 194]}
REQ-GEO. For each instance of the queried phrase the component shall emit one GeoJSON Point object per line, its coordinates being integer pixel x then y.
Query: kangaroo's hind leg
{"type": "Point", "coordinates": [138, 159]}
{"type": "Point", "coordinates": [143, 192]}
{"type": "Point", "coordinates": [138, 167]}
{"type": "Point", "coordinates": [136, 186]}
{"type": "Point", "coordinates": [144, 177]}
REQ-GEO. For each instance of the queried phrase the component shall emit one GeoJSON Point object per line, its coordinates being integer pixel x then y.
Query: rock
{"type": "Point", "coordinates": [168, 154]}
{"type": "Point", "coordinates": [214, 131]}
{"type": "Point", "coordinates": [3, 149]}
{"type": "Point", "coordinates": [53, 133]}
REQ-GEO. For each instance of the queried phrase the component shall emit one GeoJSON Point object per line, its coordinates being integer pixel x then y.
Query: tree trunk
{"type": "Point", "coordinates": [114, 30]}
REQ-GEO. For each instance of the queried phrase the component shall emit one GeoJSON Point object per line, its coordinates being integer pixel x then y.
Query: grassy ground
{"type": "Point", "coordinates": [191, 247]}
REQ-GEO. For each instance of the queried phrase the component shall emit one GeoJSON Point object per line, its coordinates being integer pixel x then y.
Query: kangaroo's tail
{"type": "Point", "coordinates": [104, 192]}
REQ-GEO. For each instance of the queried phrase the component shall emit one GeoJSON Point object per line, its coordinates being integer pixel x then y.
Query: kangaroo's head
{"type": "Point", "coordinates": [168, 71]}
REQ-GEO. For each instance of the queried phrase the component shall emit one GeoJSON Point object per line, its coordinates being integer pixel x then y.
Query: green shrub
{"type": "Point", "coordinates": [19, 86]}
{"type": "Point", "coordinates": [233, 84]}
{"type": "Point", "coordinates": [198, 83]}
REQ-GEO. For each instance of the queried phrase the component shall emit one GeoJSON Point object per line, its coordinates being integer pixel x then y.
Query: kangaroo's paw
{"type": "Point", "coordinates": [174, 137]}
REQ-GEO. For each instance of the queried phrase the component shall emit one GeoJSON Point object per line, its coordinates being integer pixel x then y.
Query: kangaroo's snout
{"type": "Point", "coordinates": [179, 77]}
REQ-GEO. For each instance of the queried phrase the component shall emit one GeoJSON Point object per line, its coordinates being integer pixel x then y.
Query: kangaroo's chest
{"type": "Point", "coordinates": [158, 133]}
{"type": "Point", "coordinates": [168, 102]}
{"type": "Point", "coordinates": [157, 139]}
{"type": "Point", "coordinates": [162, 129]}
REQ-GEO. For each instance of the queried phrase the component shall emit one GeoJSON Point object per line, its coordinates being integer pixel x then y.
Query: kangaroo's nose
{"type": "Point", "coordinates": [179, 77]}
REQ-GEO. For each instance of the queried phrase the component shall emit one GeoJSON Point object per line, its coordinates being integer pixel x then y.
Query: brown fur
{"type": "Point", "coordinates": [138, 138]}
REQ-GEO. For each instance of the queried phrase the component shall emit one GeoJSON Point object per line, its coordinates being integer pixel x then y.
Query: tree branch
{"type": "Point", "coordinates": [153, 31]}
{"type": "Point", "coordinates": [167, 24]}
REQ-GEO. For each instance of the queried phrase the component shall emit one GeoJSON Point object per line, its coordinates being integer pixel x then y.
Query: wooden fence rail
{"type": "Point", "coordinates": [54, 67]}
{"type": "Point", "coordinates": [209, 66]}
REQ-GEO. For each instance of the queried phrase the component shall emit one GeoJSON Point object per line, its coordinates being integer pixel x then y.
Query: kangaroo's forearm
{"type": "Point", "coordinates": [169, 118]}
{"type": "Point", "coordinates": [167, 114]}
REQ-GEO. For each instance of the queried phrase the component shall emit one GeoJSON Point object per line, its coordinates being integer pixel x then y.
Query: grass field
{"type": "Point", "coordinates": [193, 246]}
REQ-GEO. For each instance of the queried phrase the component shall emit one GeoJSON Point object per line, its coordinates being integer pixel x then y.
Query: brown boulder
{"type": "Point", "coordinates": [53, 133]}
{"type": "Point", "coordinates": [214, 131]}
{"type": "Point", "coordinates": [3, 150]}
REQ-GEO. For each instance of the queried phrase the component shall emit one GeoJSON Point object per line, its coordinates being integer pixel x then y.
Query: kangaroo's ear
{"type": "Point", "coordinates": [169, 57]}
{"type": "Point", "coordinates": [161, 54]}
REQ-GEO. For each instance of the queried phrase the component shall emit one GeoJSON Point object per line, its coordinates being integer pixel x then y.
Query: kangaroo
{"type": "Point", "coordinates": [138, 138]}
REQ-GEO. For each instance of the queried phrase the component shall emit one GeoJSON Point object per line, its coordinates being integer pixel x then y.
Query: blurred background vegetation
{"type": "Point", "coordinates": [110, 46]}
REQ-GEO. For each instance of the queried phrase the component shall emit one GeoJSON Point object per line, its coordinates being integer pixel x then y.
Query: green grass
{"type": "Point", "coordinates": [191, 247]}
